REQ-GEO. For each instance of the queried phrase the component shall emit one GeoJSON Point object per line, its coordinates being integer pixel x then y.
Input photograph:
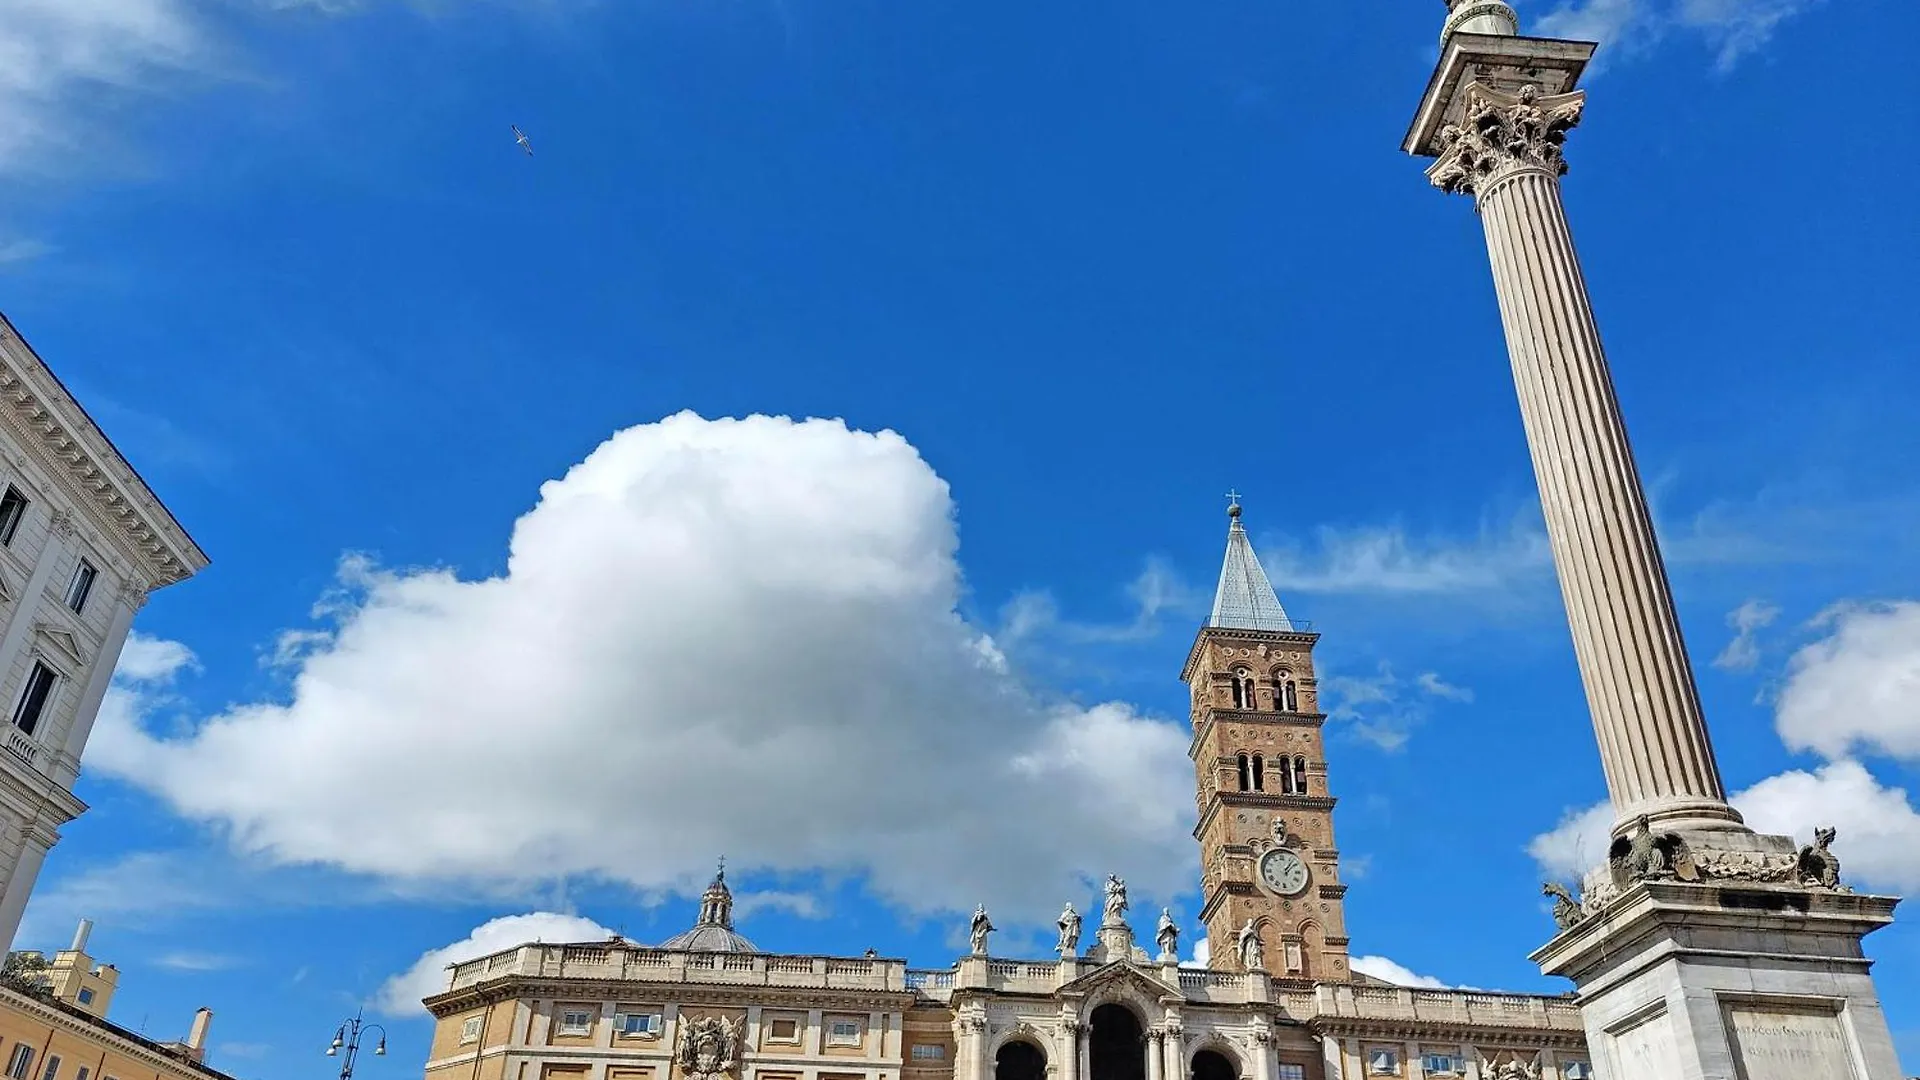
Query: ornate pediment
{"type": "Point", "coordinates": [64, 644]}
{"type": "Point", "coordinates": [1121, 979]}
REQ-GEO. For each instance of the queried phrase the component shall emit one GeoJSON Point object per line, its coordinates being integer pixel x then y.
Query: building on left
{"type": "Point", "coordinates": [54, 1026]}
{"type": "Point", "coordinates": [83, 540]}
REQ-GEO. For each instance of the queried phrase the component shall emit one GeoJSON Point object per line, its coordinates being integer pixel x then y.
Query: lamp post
{"type": "Point", "coordinates": [348, 1038]}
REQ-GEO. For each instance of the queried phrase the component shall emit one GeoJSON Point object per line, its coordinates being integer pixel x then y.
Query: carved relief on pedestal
{"type": "Point", "coordinates": [1514, 1067]}
{"type": "Point", "coordinates": [1501, 133]}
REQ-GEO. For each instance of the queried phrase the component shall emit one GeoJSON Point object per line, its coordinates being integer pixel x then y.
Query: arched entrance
{"type": "Point", "coordinates": [1214, 1065]}
{"type": "Point", "coordinates": [1116, 1048]}
{"type": "Point", "coordinates": [1019, 1060]}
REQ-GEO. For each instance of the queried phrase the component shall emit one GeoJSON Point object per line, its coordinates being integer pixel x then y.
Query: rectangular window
{"type": "Point", "coordinates": [33, 702]}
{"type": "Point", "coordinates": [783, 1030]}
{"type": "Point", "coordinates": [936, 1052]}
{"type": "Point", "coordinates": [576, 1022]}
{"type": "Point", "coordinates": [53, 1068]}
{"type": "Point", "coordinates": [843, 1033]}
{"type": "Point", "coordinates": [638, 1025]}
{"type": "Point", "coordinates": [82, 1074]}
{"type": "Point", "coordinates": [470, 1029]}
{"type": "Point", "coordinates": [13, 510]}
{"type": "Point", "coordinates": [81, 586]}
{"type": "Point", "coordinates": [1577, 1070]}
{"type": "Point", "coordinates": [1440, 1064]}
{"type": "Point", "coordinates": [21, 1063]}
{"type": "Point", "coordinates": [86, 998]}
{"type": "Point", "coordinates": [1383, 1061]}
{"type": "Point", "coordinates": [1292, 1071]}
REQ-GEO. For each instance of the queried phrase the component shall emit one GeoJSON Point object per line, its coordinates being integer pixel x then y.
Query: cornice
{"type": "Point", "coordinates": [86, 465]}
{"type": "Point", "coordinates": [1488, 1036]}
{"type": "Point", "coordinates": [514, 987]}
{"type": "Point", "coordinates": [1211, 716]}
{"type": "Point", "coordinates": [1260, 801]}
{"type": "Point", "coordinates": [1214, 633]}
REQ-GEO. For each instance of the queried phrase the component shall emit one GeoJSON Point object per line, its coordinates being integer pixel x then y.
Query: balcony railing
{"type": "Point", "coordinates": [22, 745]}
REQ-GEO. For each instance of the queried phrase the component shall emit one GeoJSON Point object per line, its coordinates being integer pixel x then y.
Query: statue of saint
{"type": "Point", "coordinates": [1116, 907]}
{"type": "Point", "coordinates": [1069, 932]}
{"type": "Point", "coordinates": [1168, 936]}
{"type": "Point", "coordinates": [979, 929]}
{"type": "Point", "coordinates": [1253, 952]}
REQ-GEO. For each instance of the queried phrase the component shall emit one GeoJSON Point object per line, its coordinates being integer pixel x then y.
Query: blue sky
{"type": "Point", "coordinates": [1093, 270]}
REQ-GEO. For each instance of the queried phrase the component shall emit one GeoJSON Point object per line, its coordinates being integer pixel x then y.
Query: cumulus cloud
{"type": "Point", "coordinates": [1399, 975]}
{"type": "Point", "coordinates": [1202, 951]}
{"type": "Point", "coordinates": [1389, 560]}
{"type": "Point", "coordinates": [1879, 832]}
{"type": "Point", "coordinates": [1858, 688]}
{"type": "Point", "coordinates": [1743, 652]}
{"type": "Point", "coordinates": [1731, 28]}
{"type": "Point", "coordinates": [1576, 845]}
{"type": "Point", "coordinates": [733, 636]}
{"type": "Point", "coordinates": [401, 994]}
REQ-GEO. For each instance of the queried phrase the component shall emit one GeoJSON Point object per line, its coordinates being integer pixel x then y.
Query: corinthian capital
{"type": "Point", "coordinates": [1502, 134]}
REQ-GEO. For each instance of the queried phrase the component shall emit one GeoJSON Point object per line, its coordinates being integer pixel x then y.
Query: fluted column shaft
{"type": "Point", "coordinates": [1639, 683]}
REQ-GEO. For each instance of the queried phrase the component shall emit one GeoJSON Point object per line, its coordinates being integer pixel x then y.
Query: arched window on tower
{"type": "Point", "coordinates": [1246, 773]}
{"type": "Point", "coordinates": [1259, 774]}
{"type": "Point", "coordinates": [1240, 700]}
{"type": "Point", "coordinates": [1290, 696]}
{"type": "Point", "coordinates": [1286, 777]}
{"type": "Point", "coordinates": [1300, 776]}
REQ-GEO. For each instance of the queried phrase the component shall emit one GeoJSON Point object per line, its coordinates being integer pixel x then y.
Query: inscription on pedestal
{"type": "Point", "coordinates": [1775, 1043]}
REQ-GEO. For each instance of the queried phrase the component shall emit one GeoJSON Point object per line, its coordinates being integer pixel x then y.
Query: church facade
{"type": "Point", "coordinates": [1280, 1000]}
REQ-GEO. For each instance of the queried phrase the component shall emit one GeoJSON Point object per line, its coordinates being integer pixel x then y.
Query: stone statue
{"type": "Point", "coordinates": [1168, 936]}
{"type": "Point", "coordinates": [1115, 912]}
{"type": "Point", "coordinates": [1069, 932]}
{"type": "Point", "coordinates": [1644, 856]}
{"type": "Point", "coordinates": [1279, 832]}
{"type": "Point", "coordinates": [979, 929]}
{"type": "Point", "coordinates": [1818, 864]}
{"type": "Point", "coordinates": [1253, 952]}
{"type": "Point", "coordinates": [1511, 1069]}
{"type": "Point", "coordinates": [709, 1048]}
{"type": "Point", "coordinates": [1567, 912]}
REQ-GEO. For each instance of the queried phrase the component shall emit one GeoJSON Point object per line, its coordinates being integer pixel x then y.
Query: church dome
{"type": "Point", "coordinates": [713, 932]}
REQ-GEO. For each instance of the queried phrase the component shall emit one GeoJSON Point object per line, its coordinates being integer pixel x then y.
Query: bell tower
{"type": "Point", "coordinates": [1266, 817]}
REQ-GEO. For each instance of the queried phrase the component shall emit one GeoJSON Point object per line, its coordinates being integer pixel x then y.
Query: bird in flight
{"type": "Point", "coordinates": [521, 138]}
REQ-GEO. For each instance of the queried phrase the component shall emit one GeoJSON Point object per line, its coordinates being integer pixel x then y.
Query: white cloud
{"type": "Point", "coordinates": [57, 56]}
{"type": "Point", "coordinates": [1388, 971]}
{"type": "Point", "coordinates": [1202, 952]}
{"type": "Point", "coordinates": [1743, 652]}
{"type": "Point", "coordinates": [1859, 687]}
{"type": "Point", "coordinates": [1879, 832]}
{"type": "Point", "coordinates": [711, 636]}
{"type": "Point", "coordinates": [21, 251]}
{"type": "Point", "coordinates": [1732, 28]}
{"type": "Point", "coordinates": [1576, 845]}
{"type": "Point", "coordinates": [120, 890]}
{"type": "Point", "coordinates": [1156, 591]}
{"type": "Point", "coordinates": [401, 995]}
{"type": "Point", "coordinates": [803, 905]}
{"type": "Point", "coordinates": [146, 659]}
{"type": "Point", "coordinates": [1386, 559]}
{"type": "Point", "coordinates": [1381, 709]}
{"type": "Point", "coordinates": [196, 961]}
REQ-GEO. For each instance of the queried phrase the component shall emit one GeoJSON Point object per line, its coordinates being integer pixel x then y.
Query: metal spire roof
{"type": "Point", "coordinates": [1245, 599]}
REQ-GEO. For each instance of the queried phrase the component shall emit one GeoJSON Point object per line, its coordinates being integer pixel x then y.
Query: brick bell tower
{"type": "Point", "coordinates": [1266, 818]}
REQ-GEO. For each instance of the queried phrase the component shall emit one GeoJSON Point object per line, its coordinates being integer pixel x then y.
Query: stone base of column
{"type": "Point", "coordinates": [1725, 981]}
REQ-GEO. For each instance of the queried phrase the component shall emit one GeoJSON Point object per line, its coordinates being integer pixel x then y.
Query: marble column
{"type": "Point", "coordinates": [1156, 1055]}
{"type": "Point", "coordinates": [1505, 151]}
{"type": "Point", "coordinates": [1069, 1047]}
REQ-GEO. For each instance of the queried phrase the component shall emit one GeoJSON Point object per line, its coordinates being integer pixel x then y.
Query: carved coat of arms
{"type": "Point", "coordinates": [709, 1048]}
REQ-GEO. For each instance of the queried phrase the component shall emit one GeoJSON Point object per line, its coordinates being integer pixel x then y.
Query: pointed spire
{"type": "Point", "coordinates": [716, 904]}
{"type": "Point", "coordinates": [1245, 599]}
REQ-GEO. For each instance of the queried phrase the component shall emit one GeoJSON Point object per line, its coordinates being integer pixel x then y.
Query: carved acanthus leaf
{"type": "Point", "coordinates": [1501, 133]}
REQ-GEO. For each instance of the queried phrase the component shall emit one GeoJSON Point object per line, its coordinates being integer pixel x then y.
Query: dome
{"type": "Point", "coordinates": [713, 931]}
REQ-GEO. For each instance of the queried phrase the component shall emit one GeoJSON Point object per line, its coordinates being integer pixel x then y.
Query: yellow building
{"type": "Point", "coordinates": [54, 1026]}
{"type": "Point", "coordinates": [1280, 1001]}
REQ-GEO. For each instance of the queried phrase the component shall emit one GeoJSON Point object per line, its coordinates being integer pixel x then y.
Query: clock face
{"type": "Point", "coordinates": [1283, 872]}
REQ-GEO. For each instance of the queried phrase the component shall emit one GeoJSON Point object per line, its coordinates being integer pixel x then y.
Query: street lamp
{"type": "Point", "coordinates": [349, 1037]}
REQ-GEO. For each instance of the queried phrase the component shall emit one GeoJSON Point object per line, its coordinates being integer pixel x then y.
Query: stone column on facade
{"type": "Point", "coordinates": [1156, 1054]}
{"type": "Point", "coordinates": [34, 842]}
{"type": "Point", "coordinates": [1503, 147]}
{"type": "Point", "coordinates": [972, 1024]}
{"type": "Point", "coordinates": [127, 602]}
{"type": "Point", "coordinates": [1069, 1047]}
{"type": "Point", "coordinates": [1173, 1053]}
